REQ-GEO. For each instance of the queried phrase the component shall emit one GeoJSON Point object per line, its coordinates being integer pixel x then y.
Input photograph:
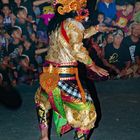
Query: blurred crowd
{"type": "Point", "coordinates": [24, 39]}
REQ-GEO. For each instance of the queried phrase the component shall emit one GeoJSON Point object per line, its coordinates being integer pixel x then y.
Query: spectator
{"type": "Point", "coordinates": [136, 16]}
{"type": "Point", "coordinates": [109, 38]}
{"type": "Point", "coordinates": [8, 20]}
{"type": "Point", "coordinates": [137, 57]}
{"type": "Point", "coordinates": [108, 7]}
{"type": "Point", "coordinates": [42, 28]}
{"type": "Point", "coordinates": [24, 22]}
{"type": "Point", "coordinates": [2, 53]}
{"type": "Point", "coordinates": [97, 49]}
{"type": "Point", "coordinates": [132, 42]}
{"type": "Point", "coordinates": [95, 52]}
{"type": "Point", "coordinates": [123, 17]}
{"type": "Point", "coordinates": [3, 41]}
{"type": "Point", "coordinates": [1, 20]}
{"type": "Point", "coordinates": [28, 4]}
{"type": "Point", "coordinates": [34, 38]}
{"type": "Point", "coordinates": [40, 55]}
{"type": "Point", "coordinates": [100, 36]}
{"type": "Point", "coordinates": [114, 57]}
{"type": "Point", "coordinates": [48, 14]}
{"type": "Point", "coordinates": [101, 18]}
{"type": "Point", "coordinates": [16, 34]}
{"type": "Point", "coordinates": [4, 70]}
{"type": "Point", "coordinates": [25, 72]}
{"type": "Point", "coordinates": [2, 2]}
{"type": "Point", "coordinates": [29, 50]}
{"type": "Point", "coordinates": [22, 32]}
{"type": "Point", "coordinates": [123, 2]}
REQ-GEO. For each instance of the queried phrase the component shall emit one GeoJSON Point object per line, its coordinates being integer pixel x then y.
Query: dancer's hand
{"type": "Point", "coordinates": [103, 28]}
{"type": "Point", "coordinates": [100, 71]}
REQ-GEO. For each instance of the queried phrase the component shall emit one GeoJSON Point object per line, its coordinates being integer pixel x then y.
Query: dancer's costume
{"type": "Point", "coordinates": [60, 88]}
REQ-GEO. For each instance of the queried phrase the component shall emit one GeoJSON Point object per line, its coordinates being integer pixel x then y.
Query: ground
{"type": "Point", "coordinates": [120, 107]}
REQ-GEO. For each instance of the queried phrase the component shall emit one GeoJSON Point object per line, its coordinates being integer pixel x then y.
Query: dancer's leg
{"type": "Point", "coordinates": [80, 136]}
{"type": "Point", "coordinates": [43, 118]}
{"type": "Point", "coordinates": [42, 107]}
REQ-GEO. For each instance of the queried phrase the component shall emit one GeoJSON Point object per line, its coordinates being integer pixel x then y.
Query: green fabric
{"type": "Point", "coordinates": [45, 94]}
{"type": "Point", "coordinates": [78, 107]}
{"type": "Point", "coordinates": [59, 119]}
{"type": "Point", "coordinates": [59, 122]}
{"type": "Point", "coordinates": [89, 61]}
{"type": "Point", "coordinates": [58, 101]}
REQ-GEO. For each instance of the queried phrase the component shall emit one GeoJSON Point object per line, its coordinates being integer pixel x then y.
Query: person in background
{"type": "Point", "coordinates": [25, 71]}
{"type": "Point", "coordinates": [124, 17]}
{"type": "Point", "coordinates": [28, 4]}
{"type": "Point", "coordinates": [24, 22]}
{"type": "Point", "coordinates": [16, 39]}
{"type": "Point", "coordinates": [115, 59]}
{"type": "Point", "coordinates": [132, 42]}
{"type": "Point", "coordinates": [29, 50]}
{"type": "Point", "coordinates": [43, 6]}
{"type": "Point", "coordinates": [2, 2]}
{"type": "Point", "coordinates": [14, 50]}
{"type": "Point", "coordinates": [9, 19]}
{"type": "Point", "coordinates": [3, 40]}
{"type": "Point", "coordinates": [137, 57]}
{"type": "Point", "coordinates": [136, 15]}
{"type": "Point", "coordinates": [96, 53]}
{"type": "Point", "coordinates": [100, 18]}
{"type": "Point", "coordinates": [108, 7]}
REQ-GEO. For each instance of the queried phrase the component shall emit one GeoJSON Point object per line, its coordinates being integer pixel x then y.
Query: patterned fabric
{"type": "Point", "coordinates": [72, 90]}
{"type": "Point", "coordinates": [68, 52]}
{"type": "Point", "coordinates": [68, 95]}
{"type": "Point", "coordinates": [43, 115]}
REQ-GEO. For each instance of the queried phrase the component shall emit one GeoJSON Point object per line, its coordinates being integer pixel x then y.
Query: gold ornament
{"type": "Point", "coordinates": [70, 5]}
{"type": "Point", "coordinates": [49, 80]}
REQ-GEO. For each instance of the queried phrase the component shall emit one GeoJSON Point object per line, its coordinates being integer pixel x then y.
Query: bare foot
{"type": "Point", "coordinates": [44, 134]}
{"type": "Point", "coordinates": [44, 138]}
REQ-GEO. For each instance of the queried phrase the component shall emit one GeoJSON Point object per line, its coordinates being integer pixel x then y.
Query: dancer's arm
{"type": "Point", "coordinates": [39, 2]}
{"type": "Point", "coordinates": [79, 52]}
{"type": "Point", "coordinates": [91, 31]}
{"type": "Point", "coordinates": [95, 29]}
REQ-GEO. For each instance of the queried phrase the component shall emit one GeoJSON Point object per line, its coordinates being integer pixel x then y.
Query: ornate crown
{"type": "Point", "coordinates": [69, 5]}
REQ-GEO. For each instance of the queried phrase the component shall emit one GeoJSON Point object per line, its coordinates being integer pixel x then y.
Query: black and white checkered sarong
{"type": "Point", "coordinates": [72, 90]}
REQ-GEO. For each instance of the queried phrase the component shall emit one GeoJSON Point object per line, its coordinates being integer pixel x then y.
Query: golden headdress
{"type": "Point", "coordinates": [67, 6]}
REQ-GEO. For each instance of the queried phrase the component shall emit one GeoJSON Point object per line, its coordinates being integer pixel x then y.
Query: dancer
{"type": "Point", "coordinates": [60, 88]}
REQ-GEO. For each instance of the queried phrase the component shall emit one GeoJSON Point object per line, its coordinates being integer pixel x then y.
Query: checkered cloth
{"type": "Point", "coordinates": [72, 90]}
